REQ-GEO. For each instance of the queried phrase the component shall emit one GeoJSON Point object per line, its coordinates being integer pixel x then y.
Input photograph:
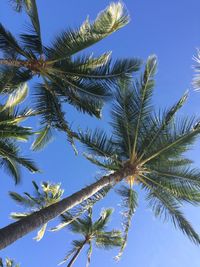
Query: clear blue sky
{"type": "Point", "coordinates": [171, 30]}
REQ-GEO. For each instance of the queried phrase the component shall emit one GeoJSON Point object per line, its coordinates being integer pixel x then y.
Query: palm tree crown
{"type": "Point", "coordinates": [11, 133]}
{"type": "Point", "coordinates": [83, 81]}
{"type": "Point", "coordinates": [151, 148]}
{"type": "Point", "coordinates": [92, 233]}
{"type": "Point", "coordinates": [48, 195]}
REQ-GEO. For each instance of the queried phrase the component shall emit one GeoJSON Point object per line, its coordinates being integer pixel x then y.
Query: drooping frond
{"type": "Point", "coordinates": [11, 79]}
{"type": "Point", "coordinates": [44, 137]}
{"type": "Point", "coordinates": [180, 175]}
{"type": "Point", "coordinates": [129, 203]}
{"type": "Point", "coordinates": [33, 40]}
{"type": "Point", "coordinates": [11, 159]}
{"type": "Point", "coordinates": [176, 140]}
{"type": "Point", "coordinates": [163, 204]}
{"type": "Point", "coordinates": [17, 97]}
{"type": "Point", "coordinates": [9, 45]}
{"type": "Point", "coordinates": [70, 42]}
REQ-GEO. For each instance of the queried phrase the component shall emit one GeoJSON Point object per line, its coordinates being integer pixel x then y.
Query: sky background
{"type": "Point", "coordinates": [170, 29]}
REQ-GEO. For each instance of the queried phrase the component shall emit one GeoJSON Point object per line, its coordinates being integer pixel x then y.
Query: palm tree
{"type": "Point", "coordinates": [44, 197]}
{"type": "Point", "coordinates": [8, 263]}
{"type": "Point", "coordinates": [82, 81]}
{"type": "Point", "coordinates": [11, 133]}
{"type": "Point", "coordinates": [145, 148]}
{"type": "Point", "coordinates": [92, 233]}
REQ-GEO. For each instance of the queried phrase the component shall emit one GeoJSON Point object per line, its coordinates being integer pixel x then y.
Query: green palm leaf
{"type": "Point", "coordinates": [70, 42]}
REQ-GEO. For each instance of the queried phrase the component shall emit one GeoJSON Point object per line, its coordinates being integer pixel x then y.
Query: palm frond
{"type": "Point", "coordinates": [17, 97]}
{"type": "Point", "coordinates": [97, 143]}
{"type": "Point", "coordinates": [159, 127]}
{"type": "Point", "coordinates": [163, 204]}
{"type": "Point", "coordinates": [70, 42]}
{"type": "Point", "coordinates": [12, 168]}
{"type": "Point", "coordinates": [44, 137]}
{"type": "Point", "coordinates": [102, 222]}
{"type": "Point", "coordinates": [105, 164]}
{"type": "Point", "coordinates": [11, 79]}
{"type": "Point", "coordinates": [145, 92]}
{"type": "Point", "coordinates": [123, 115]}
{"type": "Point", "coordinates": [177, 140]}
{"type": "Point", "coordinates": [108, 240]}
{"type": "Point", "coordinates": [129, 198]}
{"type": "Point", "coordinates": [9, 45]}
{"type": "Point", "coordinates": [23, 201]}
{"type": "Point", "coordinates": [33, 40]}
{"type": "Point", "coordinates": [41, 233]}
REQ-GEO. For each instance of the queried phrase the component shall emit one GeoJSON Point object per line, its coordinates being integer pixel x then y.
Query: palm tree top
{"type": "Point", "coordinates": [85, 81]}
{"type": "Point", "coordinates": [151, 148]}
{"type": "Point", "coordinates": [92, 232]}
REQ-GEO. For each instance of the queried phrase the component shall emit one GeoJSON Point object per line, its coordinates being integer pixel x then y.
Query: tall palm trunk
{"type": "Point", "coordinates": [76, 254]}
{"type": "Point", "coordinates": [16, 230]}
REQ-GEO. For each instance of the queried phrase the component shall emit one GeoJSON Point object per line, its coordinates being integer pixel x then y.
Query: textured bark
{"type": "Point", "coordinates": [76, 255]}
{"type": "Point", "coordinates": [16, 230]}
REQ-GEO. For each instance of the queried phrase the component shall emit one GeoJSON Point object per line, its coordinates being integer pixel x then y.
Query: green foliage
{"type": "Point", "coordinates": [44, 137]}
{"type": "Point", "coordinates": [85, 82]}
{"type": "Point", "coordinates": [152, 147]}
{"type": "Point", "coordinates": [44, 197]}
{"type": "Point", "coordinates": [92, 233]}
{"type": "Point", "coordinates": [11, 133]}
{"type": "Point", "coordinates": [129, 204]}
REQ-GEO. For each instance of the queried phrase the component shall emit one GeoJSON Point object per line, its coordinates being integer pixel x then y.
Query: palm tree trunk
{"type": "Point", "coordinates": [76, 254]}
{"type": "Point", "coordinates": [16, 230]}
